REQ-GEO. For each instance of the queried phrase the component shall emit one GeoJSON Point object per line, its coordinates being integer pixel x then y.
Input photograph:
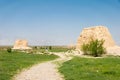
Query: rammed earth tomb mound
{"type": "Point", "coordinates": [97, 32]}
{"type": "Point", "coordinates": [21, 45]}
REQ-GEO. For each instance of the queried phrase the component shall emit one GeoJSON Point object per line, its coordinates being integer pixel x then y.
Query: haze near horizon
{"type": "Point", "coordinates": [55, 22]}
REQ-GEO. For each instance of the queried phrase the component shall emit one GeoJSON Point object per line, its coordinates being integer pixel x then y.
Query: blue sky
{"type": "Point", "coordinates": [55, 22]}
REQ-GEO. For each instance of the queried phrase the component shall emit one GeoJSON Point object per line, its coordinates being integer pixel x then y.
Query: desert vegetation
{"type": "Point", "coordinates": [94, 48]}
{"type": "Point", "coordinates": [45, 49]}
{"type": "Point", "coordinates": [59, 49]}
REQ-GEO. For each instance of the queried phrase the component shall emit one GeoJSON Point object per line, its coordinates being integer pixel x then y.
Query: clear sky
{"type": "Point", "coordinates": [55, 22]}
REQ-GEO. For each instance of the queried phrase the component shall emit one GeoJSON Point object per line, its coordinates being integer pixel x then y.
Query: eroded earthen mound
{"type": "Point", "coordinates": [21, 44]}
{"type": "Point", "coordinates": [98, 32]}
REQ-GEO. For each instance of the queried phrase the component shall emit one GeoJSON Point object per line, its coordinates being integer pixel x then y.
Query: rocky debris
{"type": "Point", "coordinates": [21, 45]}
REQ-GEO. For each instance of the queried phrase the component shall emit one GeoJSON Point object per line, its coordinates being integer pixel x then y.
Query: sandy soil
{"type": "Point", "coordinates": [43, 71]}
{"type": "Point", "coordinates": [113, 51]}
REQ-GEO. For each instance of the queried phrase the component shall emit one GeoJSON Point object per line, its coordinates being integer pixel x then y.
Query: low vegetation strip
{"type": "Point", "coordinates": [91, 69]}
{"type": "Point", "coordinates": [11, 63]}
{"type": "Point", "coordinates": [59, 49]}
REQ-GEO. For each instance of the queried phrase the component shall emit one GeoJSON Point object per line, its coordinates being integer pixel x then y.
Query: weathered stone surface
{"type": "Point", "coordinates": [98, 32]}
{"type": "Point", "coordinates": [21, 44]}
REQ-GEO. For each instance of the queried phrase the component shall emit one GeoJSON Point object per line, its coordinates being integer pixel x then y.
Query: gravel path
{"type": "Point", "coordinates": [43, 71]}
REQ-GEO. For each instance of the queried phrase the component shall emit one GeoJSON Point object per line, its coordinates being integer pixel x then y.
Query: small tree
{"type": "Point", "coordinates": [35, 47]}
{"type": "Point", "coordinates": [9, 50]}
{"type": "Point", "coordinates": [94, 47]}
{"type": "Point", "coordinates": [50, 47]}
{"type": "Point", "coordinates": [85, 48]}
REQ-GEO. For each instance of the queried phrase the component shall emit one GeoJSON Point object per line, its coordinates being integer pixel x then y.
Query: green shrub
{"type": "Point", "coordinates": [94, 48]}
{"type": "Point", "coordinates": [35, 47]}
{"type": "Point", "coordinates": [9, 50]}
{"type": "Point", "coordinates": [50, 47]}
{"type": "Point", "coordinates": [85, 48]}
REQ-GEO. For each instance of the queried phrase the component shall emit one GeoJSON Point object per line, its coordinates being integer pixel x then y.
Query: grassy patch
{"type": "Point", "coordinates": [57, 49]}
{"type": "Point", "coordinates": [51, 48]}
{"type": "Point", "coordinates": [92, 69]}
{"type": "Point", "coordinates": [11, 63]}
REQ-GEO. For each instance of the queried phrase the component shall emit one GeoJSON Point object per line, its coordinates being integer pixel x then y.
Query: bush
{"type": "Point", "coordinates": [35, 47]}
{"type": "Point", "coordinates": [50, 47]}
{"type": "Point", "coordinates": [85, 48]}
{"type": "Point", "coordinates": [9, 50]}
{"type": "Point", "coordinates": [94, 48]}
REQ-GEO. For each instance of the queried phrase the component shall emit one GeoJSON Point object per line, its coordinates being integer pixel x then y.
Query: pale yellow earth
{"type": "Point", "coordinates": [44, 71]}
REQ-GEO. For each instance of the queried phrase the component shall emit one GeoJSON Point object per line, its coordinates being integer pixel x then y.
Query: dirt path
{"type": "Point", "coordinates": [44, 71]}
